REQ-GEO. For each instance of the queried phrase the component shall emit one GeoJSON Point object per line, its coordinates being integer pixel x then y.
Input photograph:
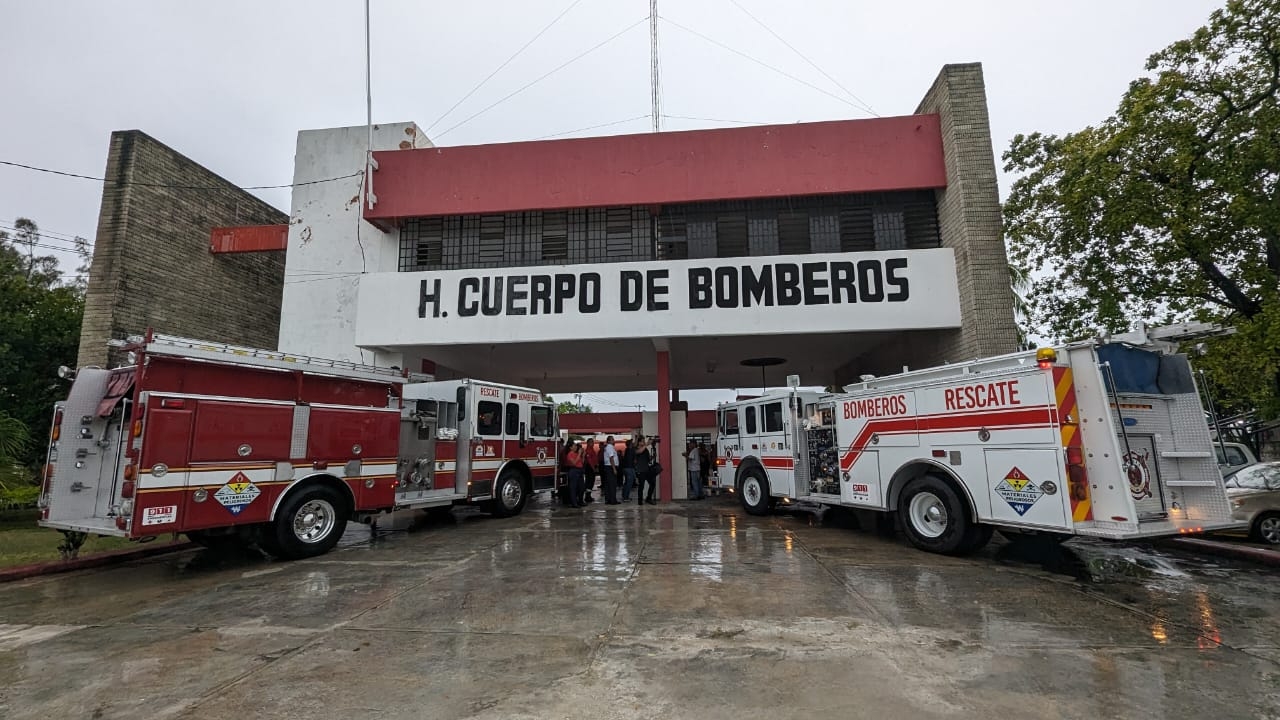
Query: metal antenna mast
{"type": "Point", "coordinates": [655, 83]}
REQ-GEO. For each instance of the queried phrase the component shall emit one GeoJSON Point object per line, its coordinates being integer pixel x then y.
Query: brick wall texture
{"type": "Point", "coordinates": [969, 222]}
{"type": "Point", "coordinates": [969, 214]}
{"type": "Point", "coordinates": [151, 263]}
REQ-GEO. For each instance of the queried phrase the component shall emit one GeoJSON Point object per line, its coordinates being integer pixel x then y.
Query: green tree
{"type": "Point", "coordinates": [13, 444]}
{"type": "Point", "coordinates": [39, 331]}
{"type": "Point", "coordinates": [564, 407]}
{"type": "Point", "coordinates": [1169, 209]}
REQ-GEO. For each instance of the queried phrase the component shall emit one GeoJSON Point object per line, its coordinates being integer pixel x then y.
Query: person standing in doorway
{"type": "Point", "coordinates": [590, 461]}
{"type": "Point", "coordinates": [574, 459]}
{"type": "Point", "coordinates": [628, 465]}
{"type": "Point", "coordinates": [609, 471]}
{"type": "Point", "coordinates": [694, 465]}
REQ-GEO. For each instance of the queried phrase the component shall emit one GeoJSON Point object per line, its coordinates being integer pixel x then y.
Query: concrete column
{"type": "Point", "coordinates": [664, 425]}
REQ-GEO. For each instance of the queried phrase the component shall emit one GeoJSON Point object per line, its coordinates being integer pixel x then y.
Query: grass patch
{"type": "Point", "coordinates": [22, 542]}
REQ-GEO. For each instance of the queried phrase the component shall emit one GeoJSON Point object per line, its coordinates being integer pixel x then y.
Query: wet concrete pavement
{"type": "Point", "coordinates": [682, 611]}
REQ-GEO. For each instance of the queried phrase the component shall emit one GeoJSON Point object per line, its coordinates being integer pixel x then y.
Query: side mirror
{"type": "Point", "coordinates": [66, 373]}
{"type": "Point", "coordinates": [524, 435]}
{"type": "Point", "coordinates": [462, 403]}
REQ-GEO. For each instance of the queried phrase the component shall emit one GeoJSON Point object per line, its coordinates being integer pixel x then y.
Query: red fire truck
{"type": "Point", "coordinates": [235, 445]}
{"type": "Point", "coordinates": [1104, 440]}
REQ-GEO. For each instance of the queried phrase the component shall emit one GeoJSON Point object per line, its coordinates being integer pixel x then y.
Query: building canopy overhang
{"type": "Point", "coordinates": [654, 169]}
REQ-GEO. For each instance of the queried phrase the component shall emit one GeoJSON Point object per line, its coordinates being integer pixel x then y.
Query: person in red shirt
{"type": "Point", "coordinates": [590, 464]}
{"type": "Point", "coordinates": [574, 458]}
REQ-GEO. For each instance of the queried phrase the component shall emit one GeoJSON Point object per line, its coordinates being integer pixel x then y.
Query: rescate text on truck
{"type": "Point", "coordinates": [1095, 439]}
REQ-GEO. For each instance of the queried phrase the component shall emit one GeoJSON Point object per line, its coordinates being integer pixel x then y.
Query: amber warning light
{"type": "Point", "coordinates": [1046, 357]}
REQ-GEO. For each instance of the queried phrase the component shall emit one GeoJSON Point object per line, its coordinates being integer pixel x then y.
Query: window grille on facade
{"type": "Point", "coordinates": [737, 228]}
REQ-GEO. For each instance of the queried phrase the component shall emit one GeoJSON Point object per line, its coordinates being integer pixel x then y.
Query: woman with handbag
{"type": "Point", "coordinates": [644, 472]}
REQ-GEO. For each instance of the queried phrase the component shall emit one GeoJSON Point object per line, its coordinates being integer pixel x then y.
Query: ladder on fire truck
{"type": "Point", "coordinates": [226, 353]}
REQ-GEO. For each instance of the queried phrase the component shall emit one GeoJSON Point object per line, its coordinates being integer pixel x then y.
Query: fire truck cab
{"type": "Point", "coordinates": [1104, 440]}
{"type": "Point", "coordinates": [482, 441]}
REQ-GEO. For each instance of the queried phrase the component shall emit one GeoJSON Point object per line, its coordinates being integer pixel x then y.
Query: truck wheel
{"type": "Point", "coordinates": [309, 523]}
{"type": "Point", "coordinates": [934, 517]}
{"type": "Point", "coordinates": [509, 497]}
{"type": "Point", "coordinates": [753, 490]}
{"type": "Point", "coordinates": [1267, 528]}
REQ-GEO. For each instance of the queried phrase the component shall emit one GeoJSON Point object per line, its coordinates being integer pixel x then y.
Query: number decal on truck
{"type": "Point", "coordinates": [160, 515]}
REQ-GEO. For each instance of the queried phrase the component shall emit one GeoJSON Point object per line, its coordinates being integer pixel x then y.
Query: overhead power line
{"type": "Point", "coordinates": [505, 63]}
{"type": "Point", "coordinates": [557, 69]}
{"type": "Point", "coordinates": [804, 57]}
{"type": "Point", "coordinates": [764, 64]}
{"type": "Point", "coordinates": [46, 232]}
{"type": "Point", "coordinates": [168, 185]}
{"type": "Point", "coordinates": [18, 245]}
{"type": "Point", "coordinates": [720, 120]}
{"type": "Point", "coordinates": [594, 127]}
{"type": "Point", "coordinates": [47, 235]}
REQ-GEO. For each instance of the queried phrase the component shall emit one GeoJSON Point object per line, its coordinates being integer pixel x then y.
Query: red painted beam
{"type": "Point", "coordinates": [249, 238]}
{"type": "Point", "coordinates": [843, 156]}
{"type": "Point", "coordinates": [626, 421]}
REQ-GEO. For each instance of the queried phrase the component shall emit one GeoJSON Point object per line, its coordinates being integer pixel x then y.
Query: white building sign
{"type": "Point", "coordinates": [780, 294]}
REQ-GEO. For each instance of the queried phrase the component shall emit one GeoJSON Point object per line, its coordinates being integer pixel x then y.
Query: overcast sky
{"type": "Point", "coordinates": [230, 83]}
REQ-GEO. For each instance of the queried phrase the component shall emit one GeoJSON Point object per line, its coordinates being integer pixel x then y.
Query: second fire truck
{"type": "Point", "coordinates": [234, 445]}
{"type": "Point", "coordinates": [1103, 440]}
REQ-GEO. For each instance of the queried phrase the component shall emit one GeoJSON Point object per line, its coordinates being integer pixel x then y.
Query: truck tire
{"type": "Point", "coordinates": [309, 523]}
{"type": "Point", "coordinates": [509, 495]}
{"type": "Point", "coordinates": [934, 517]}
{"type": "Point", "coordinates": [753, 490]}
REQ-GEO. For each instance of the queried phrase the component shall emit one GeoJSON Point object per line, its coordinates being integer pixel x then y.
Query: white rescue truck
{"type": "Point", "coordinates": [1103, 440]}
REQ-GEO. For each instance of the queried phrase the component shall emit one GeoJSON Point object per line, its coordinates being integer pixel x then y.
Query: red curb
{"type": "Point", "coordinates": [1231, 550]}
{"type": "Point", "coordinates": [23, 572]}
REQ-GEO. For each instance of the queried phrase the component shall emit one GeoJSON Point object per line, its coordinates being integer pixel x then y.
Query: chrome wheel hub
{"type": "Point", "coordinates": [512, 491]}
{"type": "Point", "coordinates": [314, 521]}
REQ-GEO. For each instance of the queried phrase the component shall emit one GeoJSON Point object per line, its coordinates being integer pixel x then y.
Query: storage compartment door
{"type": "Point", "coordinates": [1027, 488]}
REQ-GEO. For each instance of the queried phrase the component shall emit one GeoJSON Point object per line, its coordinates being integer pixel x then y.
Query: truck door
{"type": "Point", "coordinates": [1026, 487]}
{"type": "Point", "coordinates": [487, 446]}
{"type": "Point", "coordinates": [776, 446]}
{"type": "Point", "coordinates": [727, 446]}
{"type": "Point", "coordinates": [541, 433]}
{"type": "Point", "coordinates": [513, 444]}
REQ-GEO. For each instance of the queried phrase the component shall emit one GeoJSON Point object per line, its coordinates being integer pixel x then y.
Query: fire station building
{"type": "Point", "coordinates": [657, 261]}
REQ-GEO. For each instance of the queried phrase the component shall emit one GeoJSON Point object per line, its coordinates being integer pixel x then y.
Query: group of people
{"type": "Point", "coordinates": [636, 468]}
